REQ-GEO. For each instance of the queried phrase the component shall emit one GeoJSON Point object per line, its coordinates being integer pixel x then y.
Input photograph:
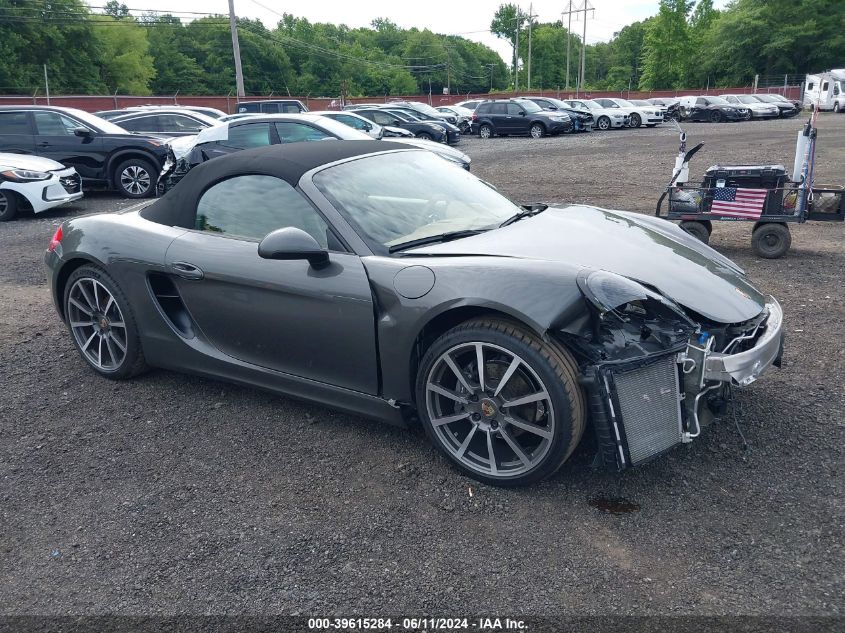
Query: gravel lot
{"type": "Point", "coordinates": [172, 494]}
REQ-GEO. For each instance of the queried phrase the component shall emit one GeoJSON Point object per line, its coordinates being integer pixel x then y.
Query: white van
{"type": "Point", "coordinates": [826, 90]}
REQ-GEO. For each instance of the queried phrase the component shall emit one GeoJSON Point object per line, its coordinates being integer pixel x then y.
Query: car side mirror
{"type": "Point", "coordinates": [81, 131]}
{"type": "Point", "coordinates": [522, 113]}
{"type": "Point", "coordinates": [292, 243]}
{"type": "Point", "coordinates": [552, 107]}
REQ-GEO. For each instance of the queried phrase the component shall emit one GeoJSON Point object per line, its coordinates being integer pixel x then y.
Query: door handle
{"type": "Point", "coordinates": [186, 270]}
{"type": "Point", "coordinates": [43, 144]}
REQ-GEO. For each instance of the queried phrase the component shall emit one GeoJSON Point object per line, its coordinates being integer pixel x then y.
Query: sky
{"type": "Point", "coordinates": [469, 18]}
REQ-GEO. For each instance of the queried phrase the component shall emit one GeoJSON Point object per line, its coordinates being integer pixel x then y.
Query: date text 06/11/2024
{"type": "Point", "coordinates": [419, 625]}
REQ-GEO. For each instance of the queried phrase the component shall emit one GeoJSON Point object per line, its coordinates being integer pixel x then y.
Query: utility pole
{"type": "Point", "coordinates": [46, 85]}
{"type": "Point", "coordinates": [584, 9]}
{"type": "Point", "coordinates": [491, 77]}
{"type": "Point", "coordinates": [236, 50]}
{"type": "Point", "coordinates": [568, 40]}
{"type": "Point", "coordinates": [531, 17]}
{"type": "Point", "coordinates": [516, 52]}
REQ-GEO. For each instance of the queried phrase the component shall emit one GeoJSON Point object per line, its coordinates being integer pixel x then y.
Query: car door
{"type": "Point", "coordinates": [56, 138]}
{"type": "Point", "coordinates": [16, 132]}
{"type": "Point", "coordinates": [518, 122]}
{"type": "Point", "coordinates": [281, 315]}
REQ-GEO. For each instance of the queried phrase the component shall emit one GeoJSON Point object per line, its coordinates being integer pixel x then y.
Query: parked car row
{"type": "Point", "coordinates": [728, 107]}
{"type": "Point", "coordinates": [48, 153]}
{"type": "Point", "coordinates": [276, 129]}
{"type": "Point", "coordinates": [101, 152]}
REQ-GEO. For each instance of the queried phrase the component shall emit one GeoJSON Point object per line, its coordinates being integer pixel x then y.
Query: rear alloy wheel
{"type": "Point", "coordinates": [716, 116]}
{"type": "Point", "coordinates": [771, 240]}
{"type": "Point", "coordinates": [425, 136]}
{"type": "Point", "coordinates": [135, 178]}
{"type": "Point", "coordinates": [635, 120]}
{"type": "Point", "coordinates": [485, 131]}
{"type": "Point", "coordinates": [102, 324]}
{"type": "Point", "coordinates": [502, 404]}
{"type": "Point", "coordinates": [603, 123]}
{"type": "Point", "coordinates": [698, 230]}
{"type": "Point", "coordinates": [8, 206]}
{"type": "Point", "coordinates": [537, 130]}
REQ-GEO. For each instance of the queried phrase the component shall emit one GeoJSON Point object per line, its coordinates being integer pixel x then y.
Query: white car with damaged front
{"type": "Point", "coordinates": [637, 115]}
{"type": "Point", "coordinates": [37, 182]}
{"type": "Point", "coordinates": [603, 118]}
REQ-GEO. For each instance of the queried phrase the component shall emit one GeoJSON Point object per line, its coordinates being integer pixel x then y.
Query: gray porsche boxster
{"type": "Point", "coordinates": [387, 282]}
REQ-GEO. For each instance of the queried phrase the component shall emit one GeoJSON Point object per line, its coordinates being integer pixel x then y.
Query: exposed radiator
{"type": "Point", "coordinates": [650, 407]}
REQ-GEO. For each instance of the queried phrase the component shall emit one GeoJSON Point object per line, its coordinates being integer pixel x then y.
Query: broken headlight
{"type": "Point", "coordinates": [624, 298]}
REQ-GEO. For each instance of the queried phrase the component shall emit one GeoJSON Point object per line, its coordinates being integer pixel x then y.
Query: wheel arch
{"type": "Point", "coordinates": [126, 154]}
{"type": "Point", "coordinates": [452, 316]}
{"type": "Point", "coordinates": [64, 273]}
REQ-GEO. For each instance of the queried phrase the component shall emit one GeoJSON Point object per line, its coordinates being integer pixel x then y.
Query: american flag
{"type": "Point", "coordinates": [735, 202]}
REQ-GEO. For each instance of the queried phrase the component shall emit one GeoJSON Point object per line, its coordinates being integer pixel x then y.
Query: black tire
{"type": "Point", "coordinates": [537, 130]}
{"type": "Point", "coordinates": [485, 131]}
{"type": "Point", "coordinates": [836, 107]}
{"type": "Point", "coordinates": [697, 229]}
{"type": "Point", "coordinates": [133, 362]}
{"type": "Point", "coordinates": [557, 374]}
{"type": "Point", "coordinates": [425, 136]}
{"type": "Point", "coordinates": [603, 123]}
{"type": "Point", "coordinates": [716, 116]}
{"type": "Point", "coordinates": [771, 240]}
{"type": "Point", "coordinates": [135, 178]}
{"type": "Point", "coordinates": [8, 205]}
{"type": "Point", "coordinates": [634, 120]}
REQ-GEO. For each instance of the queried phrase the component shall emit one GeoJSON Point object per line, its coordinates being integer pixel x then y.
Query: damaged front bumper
{"type": "Point", "coordinates": [743, 368]}
{"type": "Point", "coordinates": [644, 407]}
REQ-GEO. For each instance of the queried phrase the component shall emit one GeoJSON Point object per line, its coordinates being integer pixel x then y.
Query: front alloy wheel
{"type": "Point", "coordinates": [500, 403]}
{"type": "Point", "coordinates": [485, 131]}
{"type": "Point", "coordinates": [636, 121]}
{"type": "Point", "coordinates": [537, 131]}
{"type": "Point", "coordinates": [135, 178]}
{"type": "Point", "coordinates": [603, 123]}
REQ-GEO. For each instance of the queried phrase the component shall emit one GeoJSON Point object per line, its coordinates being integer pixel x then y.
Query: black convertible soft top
{"type": "Point", "coordinates": [286, 161]}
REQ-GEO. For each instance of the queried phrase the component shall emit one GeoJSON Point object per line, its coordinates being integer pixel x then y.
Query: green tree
{"type": "Point", "coordinates": [55, 33]}
{"type": "Point", "coordinates": [125, 65]}
{"type": "Point", "coordinates": [116, 9]}
{"type": "Point", "coordinates": [667, 48]}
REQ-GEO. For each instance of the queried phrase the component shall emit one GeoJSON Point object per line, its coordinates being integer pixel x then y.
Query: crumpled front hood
{"type": "Point", "coordinates": [24, 161]}
{"type": "Point", "coordinates": [644, 248]}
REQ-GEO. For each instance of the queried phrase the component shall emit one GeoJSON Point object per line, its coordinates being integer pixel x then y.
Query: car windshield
{"type": "Point", "coordinates": [529, 106]}
{"type": "Point", "coordinates": [402, 116]}
{"type": "Point", "coordinates": [623, 104]}
{"type": "Point", "coordinates": [424, 196]}
{"type": "Point", "coordinates": [98, 123]}
{"type": "Point", "coordinates": [766, 98]}
{"type": "Point", "coordinates": [425, 109]}
{"type": "Point", "coordinates": [593, 105]}
{"type": "Point", "coordinates": [747, 99]}
{"type": "Point", "coordinates": [717, 101]}
{"type": "Point", "coordinates": [640, 102]}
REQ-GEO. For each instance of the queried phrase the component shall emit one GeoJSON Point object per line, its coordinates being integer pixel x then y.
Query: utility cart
{"type": "Point", "coordinates": [763, 194]}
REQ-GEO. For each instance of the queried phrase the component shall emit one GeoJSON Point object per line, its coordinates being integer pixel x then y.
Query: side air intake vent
{"type": "Point", "coordinates": [170, 303]}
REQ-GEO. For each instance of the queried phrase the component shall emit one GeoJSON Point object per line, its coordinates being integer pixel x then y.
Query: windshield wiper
{"type": "Point", "coordinates": [527, 212]}
{"type": "Point", "coordinates": [436, 239]}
